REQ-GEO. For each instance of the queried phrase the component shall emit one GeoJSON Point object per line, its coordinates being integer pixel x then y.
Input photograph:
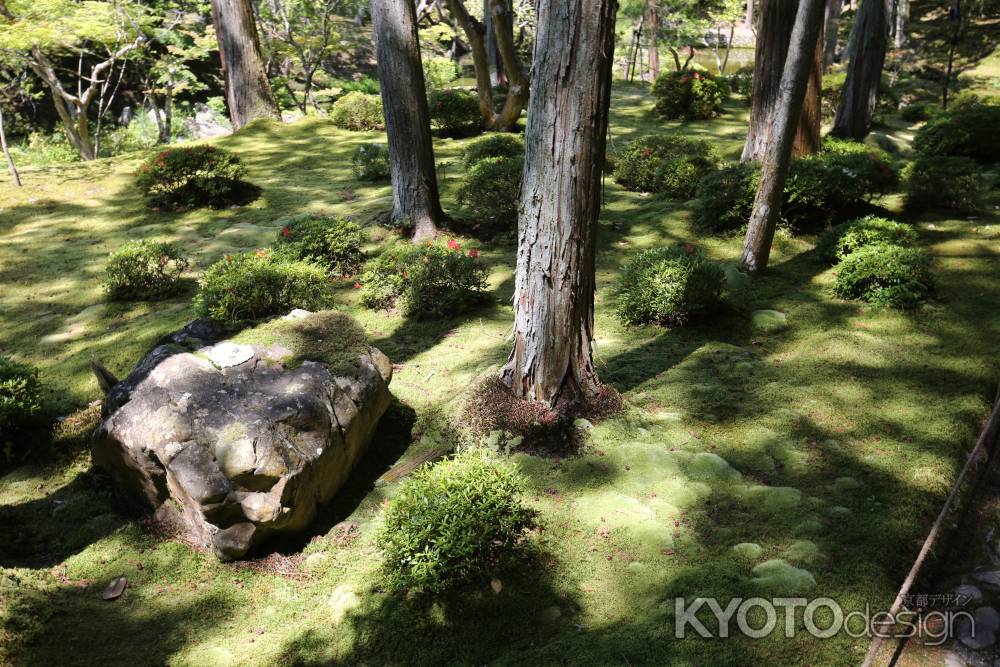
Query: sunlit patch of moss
{"type": "Point", "coordinates": [327, 336]}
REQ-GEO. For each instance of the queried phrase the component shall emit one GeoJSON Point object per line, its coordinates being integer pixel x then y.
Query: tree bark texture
{"type": "Point", "coordinates": [902, 21]}
{"type": "Point", "coordinates": [776, 20]}
{"type": "Point", "coordinates": [248, 92]}
{"type": "Point", "coordinates": [794, 80]}
{"type": "Point", "coordinates": [560, 201]}
{"type": "Point", "coordinates": [415, 201]}
{"type": "Point", "coordinates": [653, 20]}
{"type": "Point", "coordinates": [869, 38]}
{"type": "Point", "coordinates": [475, 32]}
{"type": "Point", "coordinates": [832, 32]}
{"type": "Point", "coordinates": [517, 82]}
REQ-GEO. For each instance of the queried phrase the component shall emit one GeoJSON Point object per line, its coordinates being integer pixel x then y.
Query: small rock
{"type": "Point", "coordinates": [981, 633]}
{"type": "Point", "coordinates": [969, 593]}
{"type": "Point", "coordinates": [227, 354]}
{"type": "Point", "coordinates": [990, 578]}
{"type": "Point", "coordinates": [582, 424]}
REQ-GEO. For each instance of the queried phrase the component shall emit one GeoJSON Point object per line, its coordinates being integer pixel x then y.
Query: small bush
{"type": "Point", "coordinates": [667, 285]}
{"type": "Point", "coordinates": [144, 270]}
{"type": "Point", "coordinates": [491, 191]}
{"type": "Point", "coordinates": [334, 243]}
{"type": "Point", "coordinates": [366, 84]}
{"type": "Point", "coordinates": [725, 197]}
{"type": "Point", "coordinates": [453, 522]}
{"type": "Point", "coordinates": [495, 144]}
{"type": "Point", "coordinates": [917, 111]}
{"type": "Point", "coordinates": [968, 129]}
{"type": "Point", "coordinates": [844, 175]}
{"type": "Point", "coordinates": [455, 112]}
{"type": "Point", "coordinates": [439, 72]}
{"type": "Point", "coordinates": [254, 285]}
{"type": "Point", "coordinates": [671, 165]}
{"type": "Point", "coordinates": [371, 162]}
{"type": "Point", "coordinates": [192, 176]}
{"type": "Point", "coordinates": [425, 281]}
{"type": "Point", "coordinates": [739, 82]}
{"type": "Point", "coordinates": [835, 244]}
{"type": "Point", "coordinates": [944, 182]}
{"type": "Point", "coordinates": [358, 111]}
{"type": "Point", "coordinates": [20, 403]}
{"type": "Point", "coordinates": [687, 95]}
{"type": "Point", "coordinates": [885, 275]}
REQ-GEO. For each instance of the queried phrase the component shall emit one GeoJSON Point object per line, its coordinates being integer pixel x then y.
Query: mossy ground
{"type": "Point", "coordinates": [828, 443]}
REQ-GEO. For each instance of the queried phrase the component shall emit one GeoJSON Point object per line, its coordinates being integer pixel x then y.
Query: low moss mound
{"type": "Point", "coordinates": [327, 336]}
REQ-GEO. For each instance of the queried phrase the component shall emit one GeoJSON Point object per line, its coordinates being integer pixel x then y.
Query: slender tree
{"type": "Point", "coordinates": [902, 21]}
{"type": "Point", "coordinates": [831, 36]}
{"type": "Point", "coordinates": [415, 199]}
{"type": "Point", "coordinates": [6, 152]}
{"type": "Point", "coordinates": [248, 92]}
{"type": "Point", "coordinates": [748, 18]}
{"type": "Point", "coordinates": [869, 38]}
{"type": "Point", "coordinates": [552, 360]}
{"type": "Point", "coordinates": [653, 20]}
{"type": "Point", "coordinates": [794, 80]}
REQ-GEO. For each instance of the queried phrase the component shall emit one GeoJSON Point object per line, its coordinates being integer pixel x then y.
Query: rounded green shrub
{"type": "Point", "coordinates": [689, 94]}
{"type": "Point", "coordinates": [491, 191]}
{"type": "Point", "coordinates": [192, 176]}
{"type": "Point", "coordinates": [358, 111]}
{"type": "Point", "coordinates": [844, 175]}
{"type": "Point", "coordinates": [255, 285]}
{"type": "Point", "coordinates": [144, 270]}
{"type": "Point", "coordinates": [725, 197]}
{"type": "Point", "coordinates": [332, 242]}
{"type": "Point", "coordinates": [970, 128]}
{"type": "Point", "coordinates": [668, 285]}
{"type": "Point", "coordinates": [440, 71]}
{"type": "Point", "coordinates": [885, 275]}
{"type": "Point", "coordinates": [837, 243]}
{"type": "Point", "coordinates": [455, 112]}
{"type": "Point", "coordinates": [739, 82]}
{"type": "Point", "coordinates": [20, 403]}
{"type": "Point", "coordinates": [456, 521]}
{"type": "Point", "coordinates": [944, 182]}
{"type": "Point", "coordinates": [371, 162]}
{"type": "Point", "coordinates": [494, 144]}
{"type": "Point", "coordinates": [671, 165]}
{"type": "Point", "coordinates": [425, 281]}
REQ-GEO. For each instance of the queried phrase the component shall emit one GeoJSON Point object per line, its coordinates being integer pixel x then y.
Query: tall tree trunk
{"type": "Point", "coordinates": [415, 199]}
{"type": "Point", "coordinates": [654, 43]}
{"type": "Point", "coordinates": [794, 80]}
{"type": "Point", "coordinates": [832, 32]}
{"type": "Point", "coordinates": [869, 37]}
{"type": "Point", "coordinates": [6, 153]}
{"type": "Point", "coordinates": [552, 359]}
{"type": "Point", "coordinates": [748, 19]}
{"type": "Point", "coordinates": [902, 21]}
{"type": "Point", "coordinates": [775, 24]}
{"type": "Point", "coordinates": [517, 82]}
{"type": "Point", "coordinates": [248, 92]}
{"type": "Point", "coordinates": [492, 53]}
{"type": "Point", "coordinates": [475, 32]}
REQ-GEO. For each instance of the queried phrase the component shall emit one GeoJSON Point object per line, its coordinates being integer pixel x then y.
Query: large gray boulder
{"type": "Point", "coordinates": [239, 439]}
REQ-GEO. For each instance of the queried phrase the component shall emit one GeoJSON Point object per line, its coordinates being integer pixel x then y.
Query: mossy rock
{"type": "Point", "coordinates": [748, 550]}
{"type": "Point", "coordinates": [779, 577]}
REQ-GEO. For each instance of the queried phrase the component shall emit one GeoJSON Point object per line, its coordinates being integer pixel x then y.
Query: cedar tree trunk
{"type": "Point", "coordinates": [248, 92]}
{"type": "Point", "coordinates": [832, 32]}
{"type": "Point", "coordinates": [868, 43]}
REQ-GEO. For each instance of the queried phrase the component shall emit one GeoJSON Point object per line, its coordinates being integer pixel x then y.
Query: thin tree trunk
{"type": "Point", "coordinates": [168, 113]}
{"type": "Point", "coordinates": [654, 42]}
{"type": "Point", "coordinates": [248, 91]}
{"type": "Point", "coordinates": [415, 199]}
{"type": "Point", "coordinates": [794, 80]}
{"type": "Point", "coordinates": [6, 152]}
{"type": "Point", "coordinates": [492, 54]}
{"type": "Point", "coordinates": [869, 38]}
{"type": "Point", "coordinates": [475, 32]}
{"type": "Point", "coordinates": [748, 19]}
{"type": "Point", "coordinates": [517, 82]}
{"type": "Point", "coordinates": [902, 21]}
{"type": "Point", "coordinates": [955, 15]}
{"type": "Point", "coordinates": [832, 32]}
{"type": "Point", "coordinates": [552, 360]}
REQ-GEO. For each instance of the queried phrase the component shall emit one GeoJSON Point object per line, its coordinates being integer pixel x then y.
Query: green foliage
{"type": "Point", "coordinates": [668, 285]}
{"type": "Point", "coordinates": [843, 175]}
{"type": "Point", "coordinates": [725, 197]}
{"type": "Point", "coordinates": [191, 176]}
{"type": "Point", "coordinates": [366, 84]}
{"type": "Point", "coordinates": [426, 281]}
{"type": "Point", "coordinates": [835, 244]}
{"type": "Point", "coordinates": [968, 129]}
{"type": "Point", "coordinates": [255, 285]}
{"type": "Point", "coordinates": [885, 275]}
{"type": "Point", "coordinates": [20, 403]}
{"type": "Point", "coordinates": [371, 162]}
{"type": "Point", "coordinates": [455, 112]}
{"type": "Point", "coordinates": [689, 94]}
{"type": "Point", "coordinates": [666, 164]}
{"type": "Point", "coordinates": [332, 242]}
{"type": "Point", "coordinates": [358, 111]}
{"type": "Point", "coordinates": [490, 192]}
{"type": "Point", "coordinates": [739, 82]}
{"type": "Point", "coordinates": [144, 270]}
{"type": "Point", "coordinates": [833, 90]}
{"type": "Point", "coordinates": [453, 522]}
{"type": "Point", "coordinates": [439, 72]}
{"type": "Point", "coordinates": [42, 150]}
{"type": "Point", "coordinates": [494, 144]}
{"type": "Point", "coordinates": [944, 182]}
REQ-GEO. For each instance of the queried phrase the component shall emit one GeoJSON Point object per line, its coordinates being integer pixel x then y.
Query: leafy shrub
{"type": "Point", "coordinates": [334, 243]}
{"type": "Point", "coordinates": [439, 72]}
{"type": "Point", "coordinates": [916, 112]}
{"type": "Point", "coordinates": [366, 84]}
{"type": "Point", "coordinates": [454, 521]}
{"type": "Point", "coordinates": [425, 281]}
{"type": "Point", "coordinates": [835, 244]}
{"type": "Point", "coordinates": [664, 164]}
{"type": "Point", "coordinates": [254, 285]}
{"type": "Point", "coordinates": [968, 129]}
{"type": "Point", "coordinates": [20, 402]}
{"type": "Point", "coordinates": [358, 111]}
{"type": "Point", "coordinates": [191, 176]}
{"type": "Point", "coordinates": [725, 197]}
{"type": "Point", "coordinates": [739, 82]}
{"type": "Point", "coordinates": [688, 95]}
{"type": "Point", "coordinates": [494, 144]}
{"type": "Point", "coordinates": [41, 150]}
{"type": "Point", "coordinates": [455, 112]}
{"type": "Point", "coordinates": [845, 174]}
{"type": "Point", "coordinates": [885, 275]}
{"type": "Point", "coordinates": [944, 182]}
{"type": "Point", "coordinates": [491, 191]}
{"type": "Point", "coordinates": [667, 285]}
{"type": "Point", "coordinates": [144, 270]}
{"type": "Point", "coordinates": [371, 162]}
